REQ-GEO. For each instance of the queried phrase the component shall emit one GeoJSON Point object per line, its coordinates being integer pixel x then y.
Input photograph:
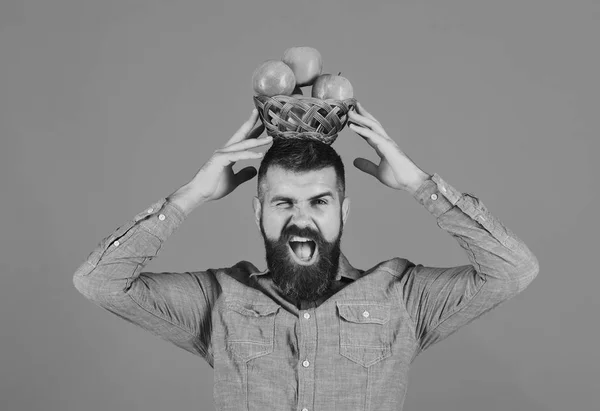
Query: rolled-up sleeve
{"type": "Point", "coordinates": [441, 300]}
{"type": "Point", "coordinates": [173, 306]}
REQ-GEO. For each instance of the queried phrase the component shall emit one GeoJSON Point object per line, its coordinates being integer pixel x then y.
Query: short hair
{"type": "Point", "coordinates": [298, 156]}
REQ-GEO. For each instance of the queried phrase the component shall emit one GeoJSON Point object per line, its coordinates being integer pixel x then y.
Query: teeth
{"type": "Point", "coordinates": [296, 238]}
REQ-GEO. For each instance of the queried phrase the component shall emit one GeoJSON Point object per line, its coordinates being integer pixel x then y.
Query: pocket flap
{"type": "Point", "coordinates": [252, 309]}
{"type": "Point", "coordinates": [365, 312]}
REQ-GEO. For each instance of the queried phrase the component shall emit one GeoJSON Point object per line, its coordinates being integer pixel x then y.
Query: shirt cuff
{"type": "Point", "coordinates": [437, 196]}
{"type": "Point", "coordinates": [161, 218]}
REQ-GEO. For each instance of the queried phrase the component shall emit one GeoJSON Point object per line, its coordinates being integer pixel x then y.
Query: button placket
{"type": "Point", "coordinates": [307, 343]}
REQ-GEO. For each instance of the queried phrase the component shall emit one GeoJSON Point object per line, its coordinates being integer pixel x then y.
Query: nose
{"type": "Point", "coordinates": [301, 218]}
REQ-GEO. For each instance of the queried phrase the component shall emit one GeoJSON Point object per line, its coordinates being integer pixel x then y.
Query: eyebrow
{"type": "Point", "coordinates": [284, 198]}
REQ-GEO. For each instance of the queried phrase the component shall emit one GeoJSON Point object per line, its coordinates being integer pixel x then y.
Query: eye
{"type": "Point", "coordinates": [319, 202]}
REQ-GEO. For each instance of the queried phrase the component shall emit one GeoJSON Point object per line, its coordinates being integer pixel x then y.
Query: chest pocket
{"type": "Point", "coordinates": [365, 337]}
{"type": "Point", "coordinates": [249, 329]}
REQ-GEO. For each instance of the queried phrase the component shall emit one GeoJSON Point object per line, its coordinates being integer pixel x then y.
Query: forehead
{"type": "Point", "coordinates": [280, 181]}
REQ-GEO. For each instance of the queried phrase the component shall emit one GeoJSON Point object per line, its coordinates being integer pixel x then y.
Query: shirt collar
{"type": "Point", "coordinates": [345, 269]}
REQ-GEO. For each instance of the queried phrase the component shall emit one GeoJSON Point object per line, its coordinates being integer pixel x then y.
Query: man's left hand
{"type": "Point", "coordinates": [395, 170]}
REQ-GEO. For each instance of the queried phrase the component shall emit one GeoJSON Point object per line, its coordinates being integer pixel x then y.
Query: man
{"type": "Point", "coordinates": [310, 332]}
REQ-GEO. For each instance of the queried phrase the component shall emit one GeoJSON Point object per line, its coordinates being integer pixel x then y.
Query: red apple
{"type": "Point", "coordinates": [305, 62]}
{"type": "Point", "coordinates": [273, 77]}
{"type": "Point", "coordinates": [328, 86]}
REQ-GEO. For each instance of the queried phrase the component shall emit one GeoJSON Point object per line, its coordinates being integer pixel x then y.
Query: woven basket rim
{"type": "Point", "coordinates": [315, 123]}
{"type": "Point", "coordinates": [304, 98]}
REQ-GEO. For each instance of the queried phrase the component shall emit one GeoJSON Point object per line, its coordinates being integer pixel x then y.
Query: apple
{"type": "Point", "coordinates": [305, 62]}
{"type": "Point", "coordinates": [273, 77]}
{"type": "Point", "coordinates": [328, 86]}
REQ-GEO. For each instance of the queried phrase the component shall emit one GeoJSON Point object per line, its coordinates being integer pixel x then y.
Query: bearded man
{"type": "Point", "coordinates": [311, 332]}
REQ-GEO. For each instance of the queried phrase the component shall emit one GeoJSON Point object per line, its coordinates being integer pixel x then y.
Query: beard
{"type": "Point", "coordinates": [302, 282]}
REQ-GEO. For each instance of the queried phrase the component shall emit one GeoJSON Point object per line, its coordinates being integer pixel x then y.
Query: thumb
{"type": "Point", "coordinates": [245, 174]}
{"type": "Point", "coordinates": [365, 166]}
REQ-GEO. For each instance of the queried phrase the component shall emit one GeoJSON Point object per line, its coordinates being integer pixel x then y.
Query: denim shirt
{"type": "Point", "coordinates": [351, 350]}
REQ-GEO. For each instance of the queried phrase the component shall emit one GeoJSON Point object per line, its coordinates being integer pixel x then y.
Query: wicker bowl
{"type": "Point", "coordinates": [303, 117]}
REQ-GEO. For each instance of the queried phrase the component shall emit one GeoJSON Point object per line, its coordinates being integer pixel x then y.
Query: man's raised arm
{"type": "Point", "coordinates": [166, 304]}
{"type": "Point", "coordinates": [441, 300]}
{"type": "Point", "coordinates": [174, 306]}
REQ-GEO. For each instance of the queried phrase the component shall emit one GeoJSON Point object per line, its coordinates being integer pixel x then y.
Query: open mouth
{"type": "Point", "coordinates": [304, 251]}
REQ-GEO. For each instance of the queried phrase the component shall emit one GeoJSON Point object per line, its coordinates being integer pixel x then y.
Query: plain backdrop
{"type": "Point", "coordinates": [107, 106]}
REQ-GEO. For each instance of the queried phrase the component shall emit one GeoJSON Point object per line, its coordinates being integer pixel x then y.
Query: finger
{"type": "Point", "coordinates": [374, 139]}
{"type": "Point", "coordinates": [244, 175]}
{"type": "Point", "coordinates": [365, 121]}
{"type": "Point", "coordinates": [244, 129]}
{"type": "Point", "coordinates": [366, 166]}
{"type": "Point", "coordinates": [229, 158]}
{"type": "Point", "coordinates": [365, 113]}
{"type": "Point", "coordinates": [247, 144]}
{"type": "Point", "coordinates": [257, 131]}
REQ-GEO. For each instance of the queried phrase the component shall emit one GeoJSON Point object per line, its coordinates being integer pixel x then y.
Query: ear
{"type": "Point", "coordinates": [257, 211]}
{"type": "Point", "coordinates": [345, 209]}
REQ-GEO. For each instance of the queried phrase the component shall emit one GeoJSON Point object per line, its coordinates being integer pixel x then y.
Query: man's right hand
{"type": "Point", "coordinates": [216, 178]}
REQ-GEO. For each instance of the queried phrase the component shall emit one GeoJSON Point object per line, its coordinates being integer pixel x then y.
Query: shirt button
{"type": "Point", "coordinates": [305, 363]}
{"type": "Point", "coordinates": [161, 217]}
{"type": "Point", "coordinates": [306, 315]}
{"type": "Point", "coordinates": [304, 409]}
{"type": "Point", "coordinates": [150, 210]}
{"type": "Point", "coordinates": [366, 314]}
{"type": "Point", "coordinates": [117, 243]}
{"type": "Point", "coordinates": [434, 196]}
